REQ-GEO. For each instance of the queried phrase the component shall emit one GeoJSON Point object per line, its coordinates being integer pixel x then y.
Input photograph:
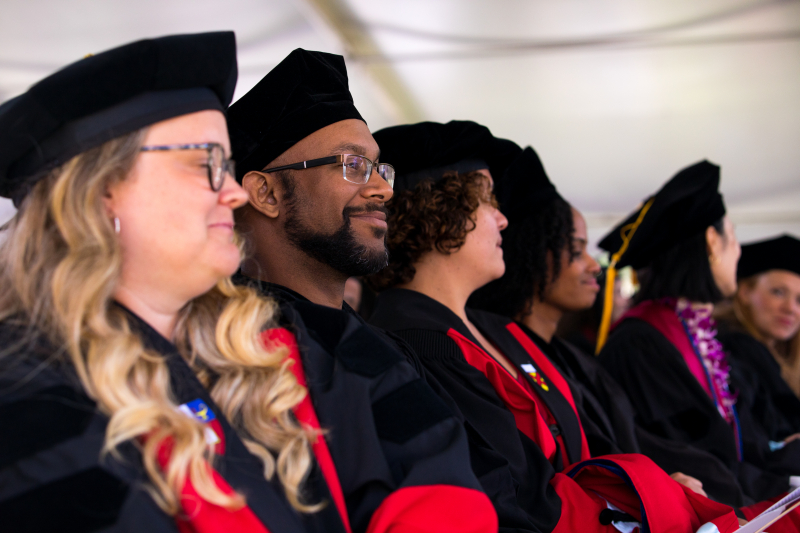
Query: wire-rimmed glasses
{"type": "Point", "coordinates": [217, 165]}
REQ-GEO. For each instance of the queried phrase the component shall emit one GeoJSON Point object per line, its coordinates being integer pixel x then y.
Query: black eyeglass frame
{"type": "Point", "coordinates": [216, 173]}
{"type": "Point", "coordinates": [334, 159]}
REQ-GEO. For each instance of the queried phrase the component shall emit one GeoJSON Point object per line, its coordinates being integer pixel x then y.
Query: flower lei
{"type": "Point", "coordinates": [701, 328]}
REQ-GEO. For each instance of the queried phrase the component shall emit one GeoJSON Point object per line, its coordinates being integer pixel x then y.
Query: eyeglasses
{"type": "Point", "coordinates": [355, 168]}
{"type": "Point", "coordinates": [217, 165]}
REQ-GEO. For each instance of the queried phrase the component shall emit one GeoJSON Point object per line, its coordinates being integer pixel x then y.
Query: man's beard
{"type": "Point", "coordinates": [340, 250]}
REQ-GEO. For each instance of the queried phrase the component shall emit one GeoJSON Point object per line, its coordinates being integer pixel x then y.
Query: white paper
{"type": "Point", "coordinates": [765, 519]}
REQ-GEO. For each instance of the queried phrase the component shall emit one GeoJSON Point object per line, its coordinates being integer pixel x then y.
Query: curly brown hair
{"type": "Point", "coordinates": [432, 215]}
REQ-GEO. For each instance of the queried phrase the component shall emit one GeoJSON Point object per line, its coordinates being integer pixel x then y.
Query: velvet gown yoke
{"type": "Point", "coordinates": [53, 476]}
{"type": "Point", "coordinates": [400, 452]}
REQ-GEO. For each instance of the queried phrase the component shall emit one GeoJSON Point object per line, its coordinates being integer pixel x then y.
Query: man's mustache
{"type": "Point", "coordinates": [347, 212]}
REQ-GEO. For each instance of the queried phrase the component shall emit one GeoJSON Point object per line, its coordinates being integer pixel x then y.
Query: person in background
{"type": "Point", "coordinates": [315, 217]}
{"type": "Point", "coordinates": [116, 306]}
{"type": "Point", "coordinates": [760, 331]}
{"type": "Point", "coordinates": [767, 303]}
{"type": "Point", "coordinates": [664, 352]}
{"type": "Point", "coordinates": [527, 444]}
{"type": "Point", "coordinates": [352, 293]}
{"type": "Point", "coordinates": [579, 328]}
{"type": "Point", "coordinates": [537, 292]}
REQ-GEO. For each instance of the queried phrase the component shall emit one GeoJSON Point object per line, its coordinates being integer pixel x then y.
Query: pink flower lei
{"type": "Point", "coordinates": [701, 328]}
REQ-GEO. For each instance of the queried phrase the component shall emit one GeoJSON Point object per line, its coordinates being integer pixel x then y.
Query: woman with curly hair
{"type": "Point", "coordinates": [130, 363]}
{"type": "Point", "coordinates": [527, 445]}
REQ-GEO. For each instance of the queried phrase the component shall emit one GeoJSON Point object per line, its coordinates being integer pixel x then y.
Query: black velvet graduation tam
{"type": "Point", "coordinates": [110, 94]}
{"type": "Point", "coordinates": [524, 189]}
{"type": "Point", "coordinates": [304, 93]}
{"type": "Point", "coordinates": [685, 206]}
{"type": "Point", "coordinates": [427, 150]}
{"type": "Point", "coordinates": [780, 253]}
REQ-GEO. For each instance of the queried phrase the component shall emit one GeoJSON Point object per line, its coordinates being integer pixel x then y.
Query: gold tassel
{"type": "Point", "coordinates": [626, 232]}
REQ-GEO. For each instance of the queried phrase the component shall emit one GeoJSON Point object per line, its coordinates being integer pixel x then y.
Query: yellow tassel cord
{"type": "Point", "coordinates": [626, 233]}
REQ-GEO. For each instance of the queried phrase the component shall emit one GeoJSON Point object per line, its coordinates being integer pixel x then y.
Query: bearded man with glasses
{"type": "Point", "coordinates": [316, 216]}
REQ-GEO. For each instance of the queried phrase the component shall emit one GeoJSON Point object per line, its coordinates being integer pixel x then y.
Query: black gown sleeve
{"type": "Point", "coordinates": [389, 434]}
{"type": "Point", "coordinates": [761, 387]}
{"type": "Point", "coordinates": [604, 401]}
{"type": "Point", "coordinates": [53, 475]}
{"type": "Point", "coordinates": [766, 405]}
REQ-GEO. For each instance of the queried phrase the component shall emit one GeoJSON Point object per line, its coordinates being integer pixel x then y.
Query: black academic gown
{"type": "Point", "coordinates": [768, 409]}
{"type": "Point", "coordinates": [392, 439]}
{"type": "Point", "coordinates": [604, 409]}
{"type": "Point", "coordinates": [672, 405]}
{"type": "Point", "coordinates": [529, 489]}
{"type": "Point", "coordinates": [54, 477]}
{"type": "Point", "coordinates": [513, 472]}
{"type": "Point", "coordinates": [608, 420]}
{"type": "Point", "coordinates": [762, 389]}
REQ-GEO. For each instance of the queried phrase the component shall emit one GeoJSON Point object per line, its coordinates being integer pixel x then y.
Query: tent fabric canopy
{"type": "Point", "coordinates": [615, 96]}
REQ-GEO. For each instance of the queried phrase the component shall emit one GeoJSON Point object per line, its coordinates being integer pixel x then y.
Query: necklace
{"type": "Point", "coordinates": [702, 332]}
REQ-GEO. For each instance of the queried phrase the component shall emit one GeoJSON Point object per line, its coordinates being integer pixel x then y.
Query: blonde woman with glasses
{"type": "Point", "coordinates": [129, 362]}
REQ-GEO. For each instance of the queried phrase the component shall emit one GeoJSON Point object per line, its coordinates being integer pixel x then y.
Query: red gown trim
{"type": "Point", "coordinates": [306, 415]}
{"type": "Point", "coordinates": [516, 399]}
{"type": "Point", "coordinates": [417, 509]}
{"type": "Point", "coordinates": [544, 365]}
{"type": "Point", "coordinates": [668, 505]}
{"type": "Point", "coordinates": [200, 516]}
{"type": "Point", "coordinates": [435, 509]}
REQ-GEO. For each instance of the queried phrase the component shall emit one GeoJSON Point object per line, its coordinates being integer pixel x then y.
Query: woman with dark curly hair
{"type": "Point", "coordinates": [526, 441]}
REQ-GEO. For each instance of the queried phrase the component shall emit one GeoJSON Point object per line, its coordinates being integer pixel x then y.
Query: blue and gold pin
{"type": "Point", "coordinates": [198, 410]}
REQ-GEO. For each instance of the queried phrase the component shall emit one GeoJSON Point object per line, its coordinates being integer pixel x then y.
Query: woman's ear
{"type": "Point", "coordinates": [714, 244]}
{"type": "Point", "coordinates": [261, 193]}
{"type": "Point", "coordinates": [110, 195]}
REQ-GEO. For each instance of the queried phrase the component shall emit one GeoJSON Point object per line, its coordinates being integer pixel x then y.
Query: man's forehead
{"type": "Point", "coordinates": [344, 137]}
{"type": "Point", "coordinates": [349, 147]}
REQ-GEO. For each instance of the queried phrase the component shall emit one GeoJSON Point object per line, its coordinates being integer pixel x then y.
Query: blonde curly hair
{"type": "Point", "coordinates": [59, 267]}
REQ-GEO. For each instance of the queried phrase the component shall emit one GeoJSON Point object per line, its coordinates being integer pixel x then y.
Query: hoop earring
{"type": "Point", "coordinates": [116, 225]}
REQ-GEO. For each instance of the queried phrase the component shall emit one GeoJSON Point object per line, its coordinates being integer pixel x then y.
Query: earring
{"type": "Point", "coordinates": [116, 225]}
{"type": "Point", "coordinates": [712, 259]}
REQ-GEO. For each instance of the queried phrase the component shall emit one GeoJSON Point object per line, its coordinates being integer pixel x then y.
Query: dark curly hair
{"type": "Point", "coordinates": [526, 246]}
{"type": "Point", "coordinates": [432, 215]}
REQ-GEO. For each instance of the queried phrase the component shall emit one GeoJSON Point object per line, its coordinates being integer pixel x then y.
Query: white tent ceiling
{"type": "Point", "coordinates": [615, 95]}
